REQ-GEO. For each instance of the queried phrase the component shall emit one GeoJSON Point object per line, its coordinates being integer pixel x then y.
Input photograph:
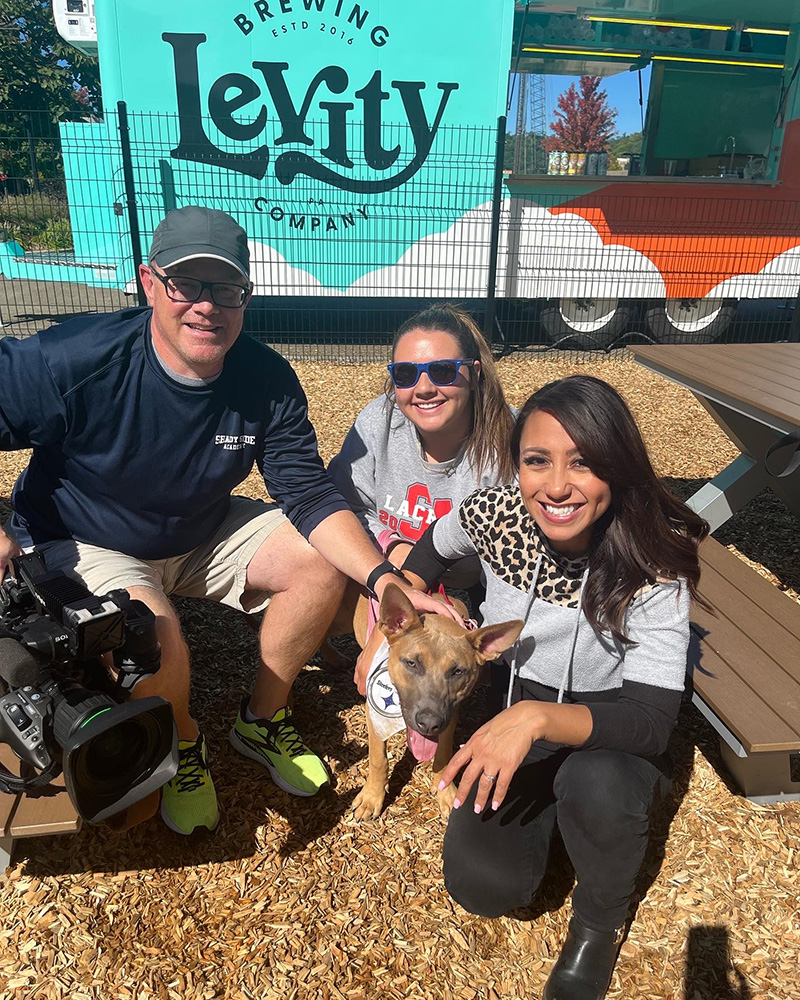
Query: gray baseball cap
{"type": "Point", "coordinates": [194, 231]}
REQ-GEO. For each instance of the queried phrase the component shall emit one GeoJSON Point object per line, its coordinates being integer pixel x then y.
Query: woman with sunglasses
{"type": "Point", "coordinates": [439, 432]}
{"type": "Point", "coordinates": [600, 561]}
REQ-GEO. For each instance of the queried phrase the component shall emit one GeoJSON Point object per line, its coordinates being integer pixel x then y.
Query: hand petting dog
{"type": "Point", "coordinates": [496, 750]}
{"type": "Point", "coordinates": [492, 755]}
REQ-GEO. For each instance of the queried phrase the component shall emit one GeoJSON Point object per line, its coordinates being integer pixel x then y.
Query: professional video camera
{"type": "Point", "coordinates": [60, 708]}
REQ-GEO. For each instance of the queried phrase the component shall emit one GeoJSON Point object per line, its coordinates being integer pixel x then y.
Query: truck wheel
{"type": "Point", "coordinates": [589, 323]}
{"type": "Point", "coordinates": [690, 321]}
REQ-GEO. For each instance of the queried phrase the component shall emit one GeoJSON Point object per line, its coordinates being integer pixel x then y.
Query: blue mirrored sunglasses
{"type": "Point", "coordinates": [405, 374]}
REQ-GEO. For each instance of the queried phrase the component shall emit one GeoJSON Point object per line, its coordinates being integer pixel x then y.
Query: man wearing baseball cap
{"type": "Point", "coordinates": [142, 423]}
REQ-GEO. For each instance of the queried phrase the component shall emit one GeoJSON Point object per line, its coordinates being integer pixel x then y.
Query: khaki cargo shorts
{"type": "Point", "coordinates": [216, 569]}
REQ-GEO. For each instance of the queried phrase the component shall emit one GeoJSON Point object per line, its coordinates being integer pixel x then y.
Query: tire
{"type": "Point", "coordinates": [690, 321]}
{"type": "Point", "coordinates": [592, 324]}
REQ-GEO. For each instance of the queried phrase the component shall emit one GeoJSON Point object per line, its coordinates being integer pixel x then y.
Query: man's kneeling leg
{"type": "Point", "coordinates": [189, 800]}
{"type": "Point", "coordinates": [305, 593]}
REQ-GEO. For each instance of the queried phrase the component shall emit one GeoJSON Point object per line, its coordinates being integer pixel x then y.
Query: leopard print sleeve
{"type": "Point", "coordinates": [503, 533]}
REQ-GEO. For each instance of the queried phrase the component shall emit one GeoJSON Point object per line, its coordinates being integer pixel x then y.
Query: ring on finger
{"type": "Point", "coordinates": [489, 777]}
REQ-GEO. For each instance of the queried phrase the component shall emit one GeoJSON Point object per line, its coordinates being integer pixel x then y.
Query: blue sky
{"type": "Point", "coordinates": [622, 90]}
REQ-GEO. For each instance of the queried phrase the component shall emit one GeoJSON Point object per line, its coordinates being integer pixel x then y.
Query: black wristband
{"type": "Point", "coordinates": [381, 570]}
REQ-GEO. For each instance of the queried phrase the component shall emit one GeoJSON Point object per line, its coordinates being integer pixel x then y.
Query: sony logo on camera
{"type": "Point", "coordinates": [233, 92]}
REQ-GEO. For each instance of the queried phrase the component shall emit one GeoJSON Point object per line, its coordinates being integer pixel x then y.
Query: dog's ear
{"type": "Point", "coordinates": [491, 640]}
{"type": "Point", "coordinates": [397, 613]}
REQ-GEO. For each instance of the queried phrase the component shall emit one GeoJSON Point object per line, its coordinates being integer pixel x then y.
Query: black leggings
{"type": "Point", "coordinates": [601, 799]}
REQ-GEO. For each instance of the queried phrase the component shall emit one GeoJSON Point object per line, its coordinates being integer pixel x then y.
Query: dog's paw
{"type": "Point", "coordinates": [445, 800]}
{"type": "Point", "coordinates": [368, 803]}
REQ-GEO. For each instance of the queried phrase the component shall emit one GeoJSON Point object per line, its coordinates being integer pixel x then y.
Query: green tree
{"type": "Point", "coordinates": [39, 71]}
{"type": "Point", "coordinates": [625, 143]}
{"type": "Point", "coordinates": [622, 145]}
{"type": "Point", "coordinates": [533, 159]}
{"type": "Point", "coordinates": [42, 79]}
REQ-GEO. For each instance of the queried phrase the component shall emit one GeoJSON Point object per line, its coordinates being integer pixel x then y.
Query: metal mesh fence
{"type": "Point", "coordinates": [347, 246]}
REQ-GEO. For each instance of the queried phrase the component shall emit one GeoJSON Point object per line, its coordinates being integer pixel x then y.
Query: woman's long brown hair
{"type": "Point", "coordinates": [648, 532]}
{"type": "Point", "coordinates": [492, 421]}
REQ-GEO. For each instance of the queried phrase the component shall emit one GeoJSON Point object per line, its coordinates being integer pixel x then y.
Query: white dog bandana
{"type": "Point", "coordinates": [383, 702]}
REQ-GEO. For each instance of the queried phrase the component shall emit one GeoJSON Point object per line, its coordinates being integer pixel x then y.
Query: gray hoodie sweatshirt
{"type": "Point", "coordinates": [633, 691]}
{"type": "Point", "coordinates": [382, 473]}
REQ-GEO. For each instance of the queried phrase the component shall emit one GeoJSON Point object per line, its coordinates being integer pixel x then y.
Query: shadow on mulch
{"type": "Point", "coordinates": [43, 319]}
{"type": "Point", "coordinates": [764, 530]}
{"type": "Point", "coordinates": [225, 654]}
{"type": "Point", "coordinates": [710, 973]}
{"type": "Point", "coordinates": [224, 651]}
{"type": "Point", "coordinates": [691, 731]}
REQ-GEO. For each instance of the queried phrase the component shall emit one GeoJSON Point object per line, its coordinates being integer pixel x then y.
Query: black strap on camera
{"type": "Point", "coordinates": [12, 783]}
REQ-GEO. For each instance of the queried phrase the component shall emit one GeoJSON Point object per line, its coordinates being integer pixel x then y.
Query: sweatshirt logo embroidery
{"type": "Point", "coordinates": [414, 514]}
{"type": "Point", "coordinates": [234, 442]}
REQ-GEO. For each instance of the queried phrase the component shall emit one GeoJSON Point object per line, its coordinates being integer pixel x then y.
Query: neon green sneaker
{"type": "Point", "coordinates": [277, 745]}
{"type": "Point", "coordinates": [190, 800]}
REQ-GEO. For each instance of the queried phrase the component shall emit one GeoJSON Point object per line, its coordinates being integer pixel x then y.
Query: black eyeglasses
{"type": "Point", "coordinates": [223, 293]}
{"type": "Point", "coordinates": [405, 374]}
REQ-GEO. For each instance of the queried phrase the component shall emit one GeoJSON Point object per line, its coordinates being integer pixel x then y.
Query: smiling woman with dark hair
{"type": "Point", "coordinates": [600, 561]}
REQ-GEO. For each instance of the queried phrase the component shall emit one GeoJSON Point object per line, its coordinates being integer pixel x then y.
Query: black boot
{"type": "Point", "coordinates": [584, 967]}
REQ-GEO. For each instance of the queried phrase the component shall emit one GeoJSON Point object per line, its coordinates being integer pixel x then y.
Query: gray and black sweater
{"type": "Point", "coordinates": [633, 692]}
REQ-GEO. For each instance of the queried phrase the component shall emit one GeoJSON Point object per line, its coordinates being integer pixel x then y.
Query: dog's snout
{"type": "Point", "coordinates": [428, 722]}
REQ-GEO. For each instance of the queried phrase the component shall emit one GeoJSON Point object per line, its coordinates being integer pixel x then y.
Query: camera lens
{"type": "Point", "coordinates": [115, 755]}
{"type": "Point", "coordinates": [119, 757]}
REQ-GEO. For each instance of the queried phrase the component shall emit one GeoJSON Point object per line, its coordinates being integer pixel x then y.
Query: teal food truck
{"type": "Point", "coordinates": [709, 212]}
{"type": "Point", "coordinates": [357, 141]}
{"type": "Point", "coordinates": [342, 134]}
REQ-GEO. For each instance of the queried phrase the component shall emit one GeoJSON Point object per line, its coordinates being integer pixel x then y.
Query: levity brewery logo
{"type": "Point", "coordinates": [232, 91]}
{"type": "Point", "coordinates": [368, 123]}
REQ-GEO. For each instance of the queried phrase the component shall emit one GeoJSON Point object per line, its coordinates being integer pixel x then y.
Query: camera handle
{"type": "Point", "coordinates": [24, 715]}
{"type": "Point", "coordinates": [139, 657]}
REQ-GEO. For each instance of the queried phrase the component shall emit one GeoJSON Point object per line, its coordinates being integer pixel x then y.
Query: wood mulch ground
{"type": "Point", "coordinates": [292, 899]}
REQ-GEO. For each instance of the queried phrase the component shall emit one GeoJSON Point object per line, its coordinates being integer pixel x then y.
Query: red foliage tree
{"type": "Point", "coordinates": [584, 122]}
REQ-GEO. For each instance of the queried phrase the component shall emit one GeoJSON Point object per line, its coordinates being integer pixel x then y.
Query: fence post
{"type": "Point", "coordinates": [794, 329]}
{"type": "Point", "coordinates": [32, 154]}
{"type": "Point", "coordinates": [130, 196]}
{"type": "Point", "coordinates": [497, 197]}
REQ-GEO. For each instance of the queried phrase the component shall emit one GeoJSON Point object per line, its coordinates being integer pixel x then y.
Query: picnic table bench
{"type": "Point", "coordinates": [43, 812]}
{"type": "Point", "coordinates": [744, 667]}
{"type": "Point", "coordinates": [744, 661]}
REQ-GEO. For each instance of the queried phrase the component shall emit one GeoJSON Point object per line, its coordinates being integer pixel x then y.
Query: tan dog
{"type": "Point", "coordinates": [434, 665]}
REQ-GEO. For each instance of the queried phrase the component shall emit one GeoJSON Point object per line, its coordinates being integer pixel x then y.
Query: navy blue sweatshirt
{"type": "Point", "coordinates": [127, 458]}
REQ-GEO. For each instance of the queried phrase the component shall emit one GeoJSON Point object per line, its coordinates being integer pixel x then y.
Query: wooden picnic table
{"type": "Point", "coordinates": [44, 812]}
{"type": "Point", "coordinates": [744, 659]}
{"type": "Point", "coordinates": [753, 393]}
